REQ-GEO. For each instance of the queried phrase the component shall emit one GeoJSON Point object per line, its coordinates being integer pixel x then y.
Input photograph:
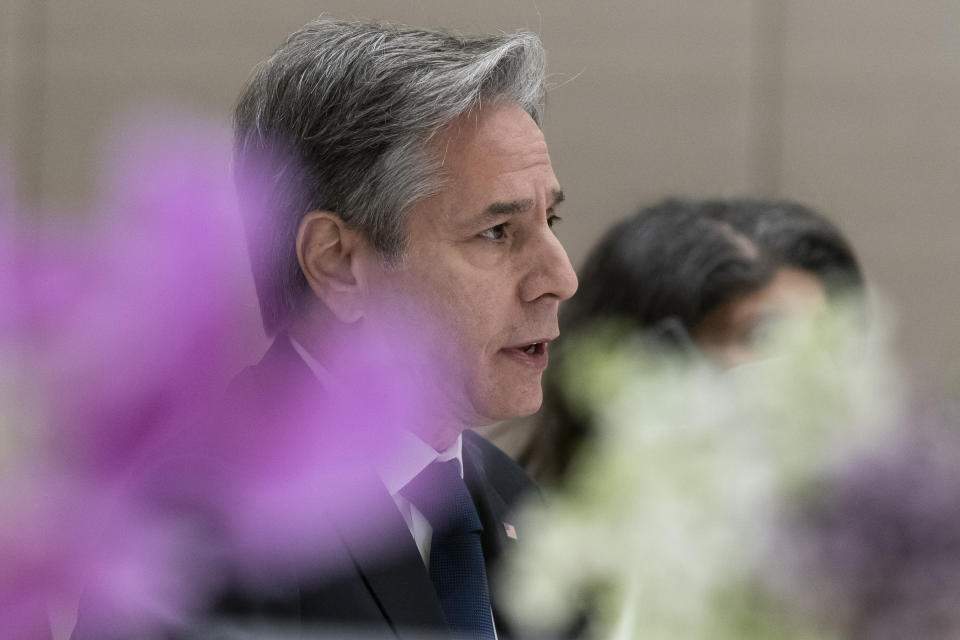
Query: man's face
{"type": "Point", "coordinates": [483, 273]}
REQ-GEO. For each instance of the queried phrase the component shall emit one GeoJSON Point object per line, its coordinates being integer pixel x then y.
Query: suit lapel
{"type": "Point", "coordinates": [394, 572]}
{"type": "Point", "coordinates": [492, 510]}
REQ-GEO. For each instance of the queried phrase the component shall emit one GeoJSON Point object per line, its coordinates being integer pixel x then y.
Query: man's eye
{"type": "Point", "coordinates": [553, 221]}
{"type": "Point", "coordinates": [495, 233]}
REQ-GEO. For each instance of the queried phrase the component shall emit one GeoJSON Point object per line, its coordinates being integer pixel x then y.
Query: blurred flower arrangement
{"type": "Point", "coordinates": [112, 338]}
{"type": "Point", "coordinates": [784, 499]}
{"type": "Point", "coordinates": [128, 478]}
{"type": "Point", "coordinates": [780, 500]}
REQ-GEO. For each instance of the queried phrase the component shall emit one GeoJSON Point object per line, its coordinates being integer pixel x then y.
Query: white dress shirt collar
{"type": "Point", "coordinates": [411, 456]}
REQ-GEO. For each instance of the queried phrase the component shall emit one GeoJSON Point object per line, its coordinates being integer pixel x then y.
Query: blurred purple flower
{"type": "Point", "coordinates": [876, 552]}
{"type": "Point", "coordinates": [138, 480]}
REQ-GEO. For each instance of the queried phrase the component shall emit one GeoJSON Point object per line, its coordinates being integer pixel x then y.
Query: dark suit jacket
{"type": "Point", "coordinates": [377, 590]}
{"type": "Point", "coordinates": [380, 593]}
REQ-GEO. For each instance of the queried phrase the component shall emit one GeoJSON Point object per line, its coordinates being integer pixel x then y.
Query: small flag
{"type": "Point", "coordinates": [511, 531]}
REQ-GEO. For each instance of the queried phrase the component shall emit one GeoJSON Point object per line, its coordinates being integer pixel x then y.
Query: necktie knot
{"type": "Point", "coordinates": [442, 497]}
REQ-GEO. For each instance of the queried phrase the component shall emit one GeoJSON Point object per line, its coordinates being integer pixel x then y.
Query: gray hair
{"type": "Point", "coordinates": [341, 116]}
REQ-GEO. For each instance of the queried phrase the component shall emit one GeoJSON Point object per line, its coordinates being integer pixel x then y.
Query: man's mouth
{"type": "Point", "coordinates": [532, 354]}
{"type": "Point", "coordinates": [533, 348]}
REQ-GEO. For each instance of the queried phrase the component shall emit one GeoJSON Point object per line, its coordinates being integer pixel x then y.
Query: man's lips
{"type": "Point", "coordinates": [532, 354]}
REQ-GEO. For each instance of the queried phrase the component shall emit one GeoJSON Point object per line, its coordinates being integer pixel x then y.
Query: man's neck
{"type": "Point", "coordinates": [429, 418]}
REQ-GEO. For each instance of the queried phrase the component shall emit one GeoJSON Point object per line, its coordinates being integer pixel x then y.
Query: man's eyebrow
{"type": "Point", "coordinates": [507, 208]}
{"type": "Point", "coordinates": [519, 206]}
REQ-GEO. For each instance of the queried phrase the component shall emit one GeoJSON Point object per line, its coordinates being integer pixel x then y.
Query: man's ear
{"type": "Point", "coordinates": [327, 253]}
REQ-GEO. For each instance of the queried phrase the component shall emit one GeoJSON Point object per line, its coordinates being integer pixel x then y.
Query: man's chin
{"type": "Point", "coordinates": [512, 408]}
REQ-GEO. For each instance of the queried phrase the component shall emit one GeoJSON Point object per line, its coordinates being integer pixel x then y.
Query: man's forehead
{"type": "Point", "coordinates": [494, 161]}
{"type": "Point", "coordinates": [495, 128]}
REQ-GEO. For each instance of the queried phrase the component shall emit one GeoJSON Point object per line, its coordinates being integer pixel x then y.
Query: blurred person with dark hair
{"type": "Point", "coordinates": [810, 264]}
{"type": "Point", "coordinates": [697, 279]}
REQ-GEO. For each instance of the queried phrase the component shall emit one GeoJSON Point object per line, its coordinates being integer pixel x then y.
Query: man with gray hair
{"type": "Point", "coordinates": [408, 202]}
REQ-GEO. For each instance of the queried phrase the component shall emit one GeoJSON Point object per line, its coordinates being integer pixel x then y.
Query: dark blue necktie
{"type": "Point", "coordinates": [456, 557]}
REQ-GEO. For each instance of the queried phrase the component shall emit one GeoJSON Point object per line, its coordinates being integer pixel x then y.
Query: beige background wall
{"type": "Point", "coordinates": [852, 107]}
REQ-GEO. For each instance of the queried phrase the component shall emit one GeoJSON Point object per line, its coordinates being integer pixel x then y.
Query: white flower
{"type": "Point", "coordinates": [668, 510]}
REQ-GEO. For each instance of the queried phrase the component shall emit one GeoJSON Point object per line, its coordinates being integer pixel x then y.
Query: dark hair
{"type": "Point", "coordinates": [339, 119]}
{"type": "Point", "coordinates": [797, 236]}
{"type": "Point", "coordinates": [662, 270]}
{"type": "Point", "coordinates": [666, 261]}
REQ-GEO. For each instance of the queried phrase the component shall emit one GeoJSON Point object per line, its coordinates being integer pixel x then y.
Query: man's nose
{"type": "Point", "coordinates": [550, 273]}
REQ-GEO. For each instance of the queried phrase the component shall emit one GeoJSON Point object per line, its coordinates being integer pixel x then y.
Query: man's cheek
{"type": "Point", "coordinates": [483, 256]}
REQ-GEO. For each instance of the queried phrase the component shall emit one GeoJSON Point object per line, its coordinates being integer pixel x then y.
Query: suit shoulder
{"type": "Point", "coordinates": [280, 375]}
{"type": "Point", "coordinates": [510, 479]}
